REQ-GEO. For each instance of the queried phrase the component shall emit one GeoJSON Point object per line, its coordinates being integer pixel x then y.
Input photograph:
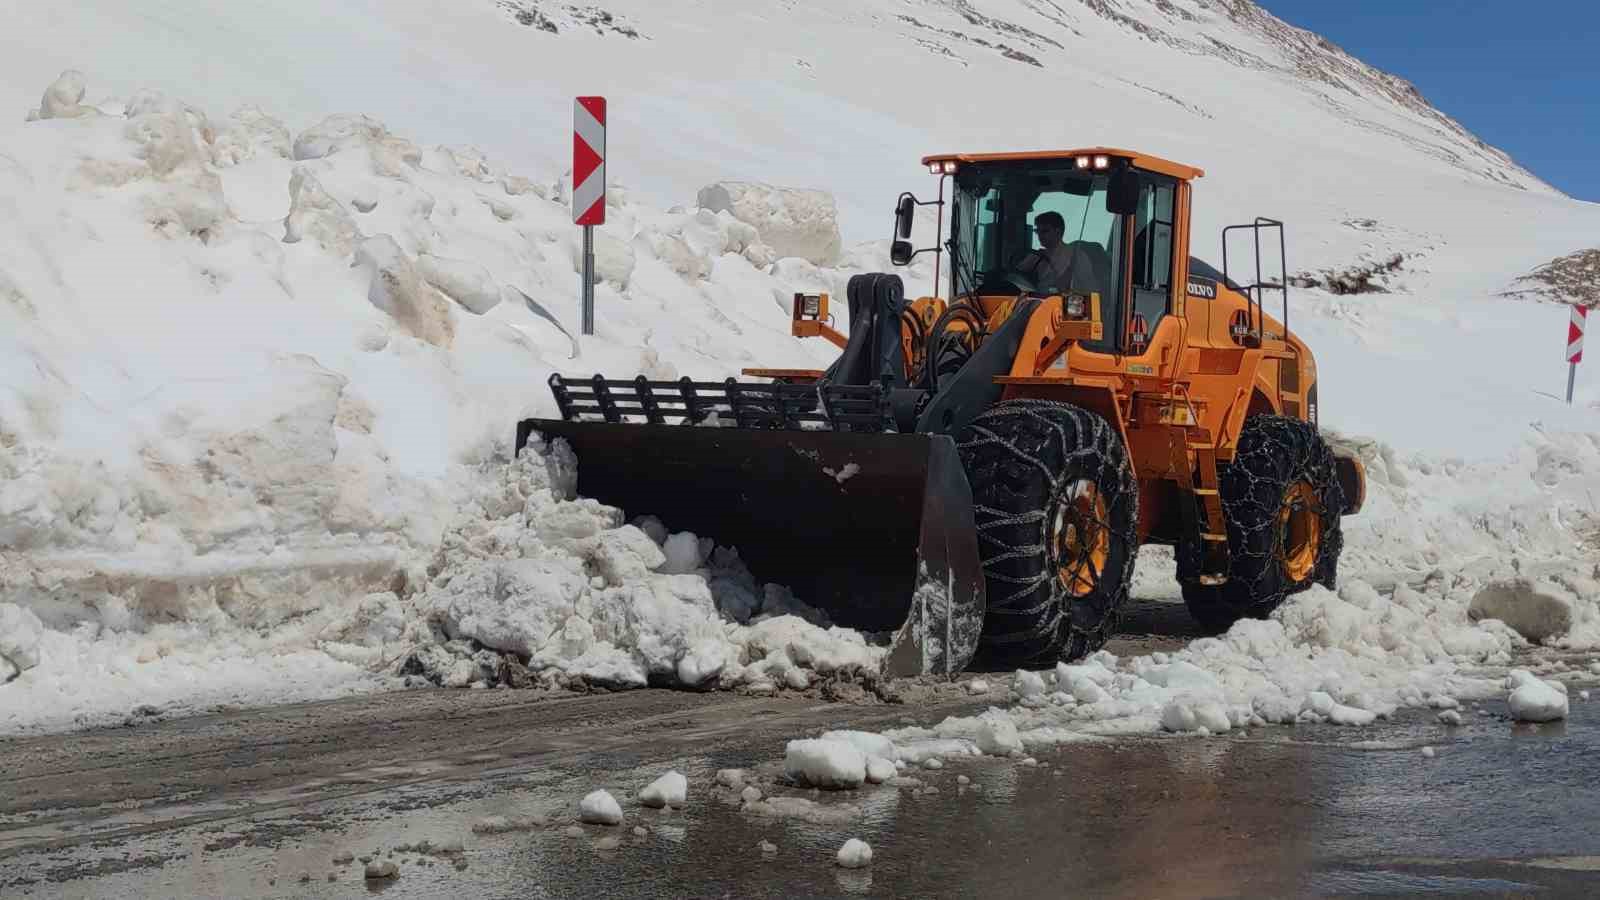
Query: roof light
{"type": "Point", "coordinates": [1083, 162]}
{"type": "Point", "coordinates": [949, 167]}
{"type": "Point", "coordinates": [935, 167]}
{"type": "Point", "coordinates": [1101, 162]}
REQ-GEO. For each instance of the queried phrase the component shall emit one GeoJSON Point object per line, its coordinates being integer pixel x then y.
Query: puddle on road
{"type": "Point", "coordinates": [1384, 882]}
{"type": "Point", "coordinates": [1263, 816]}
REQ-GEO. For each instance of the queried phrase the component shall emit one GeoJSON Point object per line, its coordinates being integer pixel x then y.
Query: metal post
{"type": "Point", "coordinates": [588, 279]}
{"type": "Point", "coordinates": [1572, 376]}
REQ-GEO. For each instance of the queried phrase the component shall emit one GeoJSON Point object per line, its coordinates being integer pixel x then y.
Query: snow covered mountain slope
{"type": "Point", "coordinates": [258, 366]}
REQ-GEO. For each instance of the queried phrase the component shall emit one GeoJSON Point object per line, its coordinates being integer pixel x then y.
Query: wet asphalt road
{"type": "Point", "coordinates": [241, 804]}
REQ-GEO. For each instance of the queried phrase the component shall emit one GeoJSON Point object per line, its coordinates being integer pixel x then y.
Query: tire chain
{"type": "Point", "coordinates": [1274, 453]}
{"type": "Point", "coordinates": [1085, 443]}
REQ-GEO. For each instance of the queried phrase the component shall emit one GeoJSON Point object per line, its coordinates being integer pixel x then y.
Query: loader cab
{"type": "Point", "coordinates": [1124, 235]}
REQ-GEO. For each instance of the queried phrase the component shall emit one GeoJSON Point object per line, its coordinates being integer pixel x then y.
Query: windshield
{"type": "Point", "coordinates": [1037, 224]}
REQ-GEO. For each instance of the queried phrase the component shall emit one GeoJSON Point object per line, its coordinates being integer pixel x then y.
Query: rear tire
{"type": "Point", "coordinates": [1056, 507]}
{"type": "Point", "coordinates": [1282, 502]}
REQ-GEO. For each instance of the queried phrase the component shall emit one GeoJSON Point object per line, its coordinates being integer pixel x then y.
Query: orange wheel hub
{"type": "Point", "coordinates": [1300, 531]}
{"type": "Point", "coordinates": [1083, 538]}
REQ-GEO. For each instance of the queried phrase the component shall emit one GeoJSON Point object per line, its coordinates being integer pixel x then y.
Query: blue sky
{"type": "Point", "coordinates": [1524, 76]}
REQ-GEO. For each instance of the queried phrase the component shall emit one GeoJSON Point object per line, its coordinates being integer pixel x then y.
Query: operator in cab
{"type": "Point", "coordinates": [1057, 266]}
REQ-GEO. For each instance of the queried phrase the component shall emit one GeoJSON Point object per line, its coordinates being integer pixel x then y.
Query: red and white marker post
{"type": "Point", "coordinates": [588, 186]}
{"type": "Point", "coordinates": [1580, 316]}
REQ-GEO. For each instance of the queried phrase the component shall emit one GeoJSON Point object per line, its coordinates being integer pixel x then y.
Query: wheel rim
{"type": "Point", "coordinates": [1300, 529]}
{"type": "Point", "coordinates": [1082, 540]}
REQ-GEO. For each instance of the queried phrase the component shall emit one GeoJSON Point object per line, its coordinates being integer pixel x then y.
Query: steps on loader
{"type": "Point", "coordinates": [1204, 513]}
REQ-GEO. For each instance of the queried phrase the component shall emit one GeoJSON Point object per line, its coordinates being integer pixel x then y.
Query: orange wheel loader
{"type": "Point", "coordinates": [972, 478]}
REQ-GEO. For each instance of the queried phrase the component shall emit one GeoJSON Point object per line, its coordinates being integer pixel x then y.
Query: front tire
{"type": "Point", "coordinates": [1282, 502]}
{"type": "Point", "coordinates": [1057, 508]}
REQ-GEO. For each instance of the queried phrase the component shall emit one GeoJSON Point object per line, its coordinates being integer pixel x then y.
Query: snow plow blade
{"type": "Point", "coordinates": [889, 546]}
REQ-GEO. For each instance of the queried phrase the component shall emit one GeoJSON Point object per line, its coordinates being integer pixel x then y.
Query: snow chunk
{"type": "Point", "coordinates": [793, 222]}
{"type": "Point", "coordinates": [468, 284]}
{"type": "Point", "coordinates": [397, 289]}
{"type": "Point", "coordinates": [977, 686]}
{"type": "Point", "coordinates": [997, 736]}
{"type": "Point", "coordinates": [336, 133]}
{"type": "Point", "coordinates": [1533, 700]}
{"type": "Point", "coordinates": [20, 633]}
{"type": "Point", "coordinates": [1028, 685]}
{"type": "Point", "coordinates": [511, 604]}
{"type": "Point", "coordinates": [1537, 610]}
{"type": "Point", "coordinates": [867, 742]}
{"type": "Point", "coordinates": [1184, 716]}
{"type": "Point", "coordinates": [825, 764]}
{"type": "Point", "coordinates": [855, 854]}
{"type": "Point", "coordinates": [879, 770]}
{"type": "Point", "coordinates": [250, 132]}
{"type": "Point", "coordinates": [683, 554]}
{"type": "Point", "coordinates": [64, 97]}
{"type": "Point", "coordinates": [316, 214]}
{"type": "Point", "coordinates": [671, 789]}
{"type": "Point", "coordinates": [849, 471]}
{"type": "Point", "coordinates": [599, 808]}
{"type": "Point", "coordinates": [1322, 704]}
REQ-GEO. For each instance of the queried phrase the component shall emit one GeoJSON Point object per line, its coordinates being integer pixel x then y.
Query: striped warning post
{"type": "Point", "coordinates": [1575, 335]}
{"type": "Point", "coordinates": [589, 161]}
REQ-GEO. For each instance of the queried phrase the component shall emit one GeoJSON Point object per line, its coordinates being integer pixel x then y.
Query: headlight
{"type": "Point", "coordinates": [811, 305]}
{"type": "Point", "coordinates": [1077, 306]}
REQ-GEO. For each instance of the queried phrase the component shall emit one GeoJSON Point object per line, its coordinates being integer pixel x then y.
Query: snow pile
{"type": "Point", "coordinates": [1534, 700]}
{"type": "Point", "coordinates": [1412, 624]}
{"type": "Point", "coordinates": [572, 591]}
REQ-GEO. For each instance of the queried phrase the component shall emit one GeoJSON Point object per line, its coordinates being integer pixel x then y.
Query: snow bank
{"type": "Point", "coordinates": [231, 490]}
{"type": "Point", "coordinates": [797, 223]}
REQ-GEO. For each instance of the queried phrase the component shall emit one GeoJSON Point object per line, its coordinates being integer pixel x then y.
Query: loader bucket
{"type": "Point", "coordinates": [891, 548]}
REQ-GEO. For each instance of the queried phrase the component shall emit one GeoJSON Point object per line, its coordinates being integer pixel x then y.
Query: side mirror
{"type": "Point", "coordinates": [904, 213]}
{"type": "Point", "coordinates": [1122, 195]}
{"type": "Point", "coordinates": [901, 252]}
